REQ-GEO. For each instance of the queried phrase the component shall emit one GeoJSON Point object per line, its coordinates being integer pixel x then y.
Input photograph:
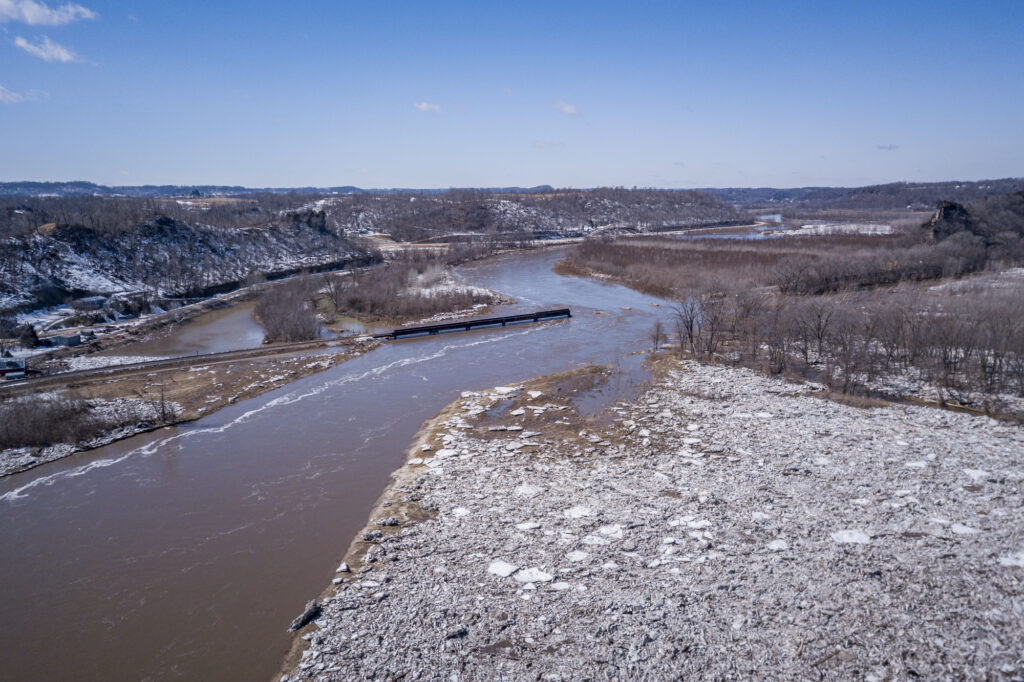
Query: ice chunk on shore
{"type": "Point", "coordinates": [977, 475]}
{"type": "Point", "coordinates": [502, 569]}
{"type": "Point", "coordinates": [533, 575]}
{"type": "Point", "coordinates": [851, 537]}
{"type": "Point", "coordinates": [578, 512]}
{"type": "Point", "coordinates": [527, 490]}
{"type": "Point", "coordinates": [1013, 560]}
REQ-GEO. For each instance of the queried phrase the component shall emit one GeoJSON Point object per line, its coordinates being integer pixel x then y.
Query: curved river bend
{"type": "Point", "coordinates": [184, 553]}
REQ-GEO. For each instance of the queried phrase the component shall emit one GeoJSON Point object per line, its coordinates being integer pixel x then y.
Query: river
{"type": "Point", "coordinates": [184, 553]}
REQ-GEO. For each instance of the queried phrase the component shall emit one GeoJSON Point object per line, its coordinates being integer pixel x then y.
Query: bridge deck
{"type": "Point", "coordinates": [467, 325]}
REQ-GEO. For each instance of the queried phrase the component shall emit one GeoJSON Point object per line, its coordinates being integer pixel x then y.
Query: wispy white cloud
{"type": "Point", "coordinates": [566, 108]}
{"type": "Point", "coordinates": [36, 13]}
{"type": "Point", "coordinates": [46, 50]}
{"type": "Point", "coordinates": [427, 106]}
{"type": "Point", "coordinates": [8, 97]}
{"type": "Point", "coordinates": [887, 147]}
{"type": "Point", "coordinates": [11, 97]}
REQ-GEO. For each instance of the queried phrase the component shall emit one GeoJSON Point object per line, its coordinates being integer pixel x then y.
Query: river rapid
{"type": "Point", "coordinates": [184, 553]}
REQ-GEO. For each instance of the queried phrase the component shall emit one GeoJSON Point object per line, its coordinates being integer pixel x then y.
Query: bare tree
{"type": "Point", "coordinates": [287, 312]}
{"type": "Point", "coordinates": [334, 288]}
{"type": "Point", "coordinates": [844, 341]}
{"type": "Point", "coordinates": [8, 324]}
{"type": "Point", "coordinates": [712, 321]}
{"type": "Point", "coordinates": [687, 321]}
{"type": "Point", "coordinates": [775, 331]}
{"type": "Point", "coordinates": [657, 334]}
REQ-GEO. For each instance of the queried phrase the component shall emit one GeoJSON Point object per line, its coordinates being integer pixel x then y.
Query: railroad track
{"type": "Point", "coordinates": [85, 376]}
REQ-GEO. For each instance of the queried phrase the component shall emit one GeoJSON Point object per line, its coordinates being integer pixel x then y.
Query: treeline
{"type": "Point", "coordinates": [969, 347]}
{"type": "Point", "coordinates": [879, 266]}
{"type": "Point", "coordinates": [823, 305]}
{"type": "Point", "coordinates": [670, 267]}
{"type": "Point", "coordinates": [287, 311]}
{"type": "Point", "coordinates": [956, 241]}
{"type": "Point", "coordinates": [44, 421]}
{"type": "Point", "coordinates": [895, 195]}
{"type": "Point", "coordinates": [413, 286]}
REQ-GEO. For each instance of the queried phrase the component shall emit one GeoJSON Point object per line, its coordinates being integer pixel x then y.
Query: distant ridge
{"type": "Point", "coordinates": [894, 195]}
{"type": "Point", "coordinates": [915, 195]}
{"type": "Point", "coordinates": [80, 187]}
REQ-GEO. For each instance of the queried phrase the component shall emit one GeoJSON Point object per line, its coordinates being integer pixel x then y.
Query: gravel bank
{"type": "Point", "coordinates": [725, 525]}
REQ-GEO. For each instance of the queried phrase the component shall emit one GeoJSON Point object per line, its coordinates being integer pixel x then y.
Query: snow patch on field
{"type": "Point", "coordinates": [99, 361]}
{"type": "Point", "coordinates": [836, 229]}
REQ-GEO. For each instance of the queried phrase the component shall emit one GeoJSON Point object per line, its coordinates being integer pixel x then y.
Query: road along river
{"type": "Point", "coordinates": [184, 553]}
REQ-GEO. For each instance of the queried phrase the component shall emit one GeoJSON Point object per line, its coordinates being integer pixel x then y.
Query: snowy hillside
{"type": "Point", "coordinates": [548, 214]}
{"type": "Point", "coordinates": [164, 257]}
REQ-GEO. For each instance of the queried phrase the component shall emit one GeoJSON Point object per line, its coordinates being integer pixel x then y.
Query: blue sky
{"type": "Point", "coordinates": [440, 94]}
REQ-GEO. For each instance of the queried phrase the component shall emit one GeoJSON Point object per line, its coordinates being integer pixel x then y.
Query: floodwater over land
{"type": "Point", "coordinates": [216, 331]}
{"type": "Point", "coordinates": [184, 553]}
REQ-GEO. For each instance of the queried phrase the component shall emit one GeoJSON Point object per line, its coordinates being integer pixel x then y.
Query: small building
{"type": "Point", "coordinates": [66, 339]}
{"type": "Point", "coordinates": [12, 368]}
{"type": "Point", "coordinates": [89, 303]}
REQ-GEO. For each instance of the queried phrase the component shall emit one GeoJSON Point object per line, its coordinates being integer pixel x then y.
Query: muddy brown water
{"type": "Point", "coordinates": [184, 553]}
{"type": "Point", "coordinates": [214, 331]}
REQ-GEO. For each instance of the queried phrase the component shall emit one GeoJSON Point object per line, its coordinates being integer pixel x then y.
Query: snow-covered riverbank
{"type": "Point", "coordinates": [724, 525]}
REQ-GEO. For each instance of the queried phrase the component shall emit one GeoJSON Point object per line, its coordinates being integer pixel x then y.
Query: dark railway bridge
{"type": "Point", "coordinates": [481, 323]}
